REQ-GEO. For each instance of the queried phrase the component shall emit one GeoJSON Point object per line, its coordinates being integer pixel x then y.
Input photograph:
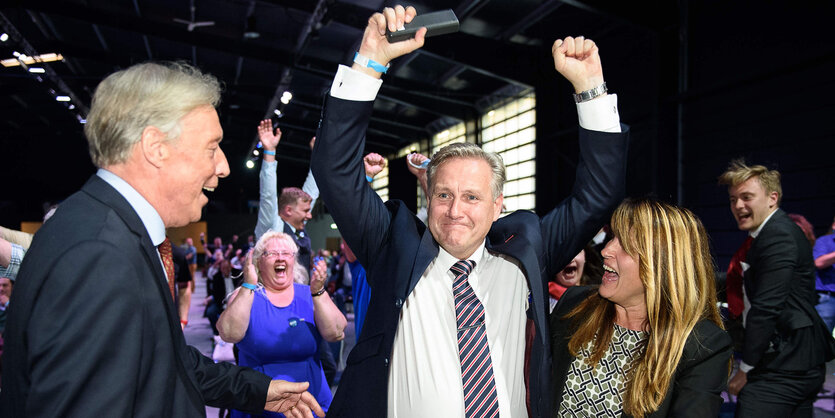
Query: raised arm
{"type": "Point", "coordinates": [337, 158]}
{"type": "Point", "coordinates": [268, 199]}
{"type": "Point", "coordinates": [329, 319]}
{"type": "Point", "coordinates": [601, 171]}
{"type": "Point", "coordinates": [309, 185]}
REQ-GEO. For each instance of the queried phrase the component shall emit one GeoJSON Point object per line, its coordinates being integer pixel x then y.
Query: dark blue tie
{"type": "Point", "coordinates": [480, 399]}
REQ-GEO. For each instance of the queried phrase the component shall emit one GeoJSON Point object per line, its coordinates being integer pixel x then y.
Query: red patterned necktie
{"type": "Point", "coordinates": [733, 280]}
{"type": "Point", "coordinates": [480, 399]}
{"type": "Point", "coordinates": [168, 262]}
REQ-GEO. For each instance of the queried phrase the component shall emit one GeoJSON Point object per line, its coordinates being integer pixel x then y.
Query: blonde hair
{"type": "Point", "coordinates": [671, 247]}
{"type": "Point", "coordinates": [739, 172]}
{"type": "Point", "coordinates": [467, 150]}
{"type": "Point", "coordinates": [148, 94]}
{"type": "Point", "coordinates": [261, 247]}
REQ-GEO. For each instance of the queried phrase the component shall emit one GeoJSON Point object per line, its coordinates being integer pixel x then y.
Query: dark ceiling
{"type": "Point", "coordinates": [299, 45]}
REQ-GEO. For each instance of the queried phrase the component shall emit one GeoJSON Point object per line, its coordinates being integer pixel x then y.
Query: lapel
{"type": "Point", "coordinates": [100, 190]}
{"type": "Point", "coordinates": [761, 239]}
{"type": "Point", "coordinates": [519, 248]}
{"type": "Point", "coordinates": [427, 251]}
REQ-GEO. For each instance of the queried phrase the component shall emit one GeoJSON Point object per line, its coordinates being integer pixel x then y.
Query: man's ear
{"type": "Point", "coordinates": [497, 207]}
{"type": "Point", "coordinates": [772, 199]}
{"type": "Point", "coordinates": [154, 146]}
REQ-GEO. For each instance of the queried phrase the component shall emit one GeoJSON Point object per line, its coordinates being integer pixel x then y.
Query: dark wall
{"type": "Point", "coordinates": [760, 87]}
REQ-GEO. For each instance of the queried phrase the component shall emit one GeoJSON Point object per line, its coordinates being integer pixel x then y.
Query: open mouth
{"type": "Point", "coordinates": [570, 271]}
{"type": "Point", "coordinates": [609, 274]}
{"type": "Point", "coordinates": [209, 189]}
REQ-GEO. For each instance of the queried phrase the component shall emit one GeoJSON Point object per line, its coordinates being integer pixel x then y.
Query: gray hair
{"type": "Point", "coordinates": [261, 246]}
{"type": "Point", "coordinates": [148, 94]}
{"type": "Point", "coordinates": [467, 150]}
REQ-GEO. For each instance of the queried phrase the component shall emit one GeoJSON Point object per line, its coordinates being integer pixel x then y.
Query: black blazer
{"type": "Point", "coordinates": [782, 329]}
{"type": "Point", "coordinates": [701, 376]}
{"type": "Point", "coordinates": [396, 248]}
{"type": "Point", "coordinates": [93, 331]}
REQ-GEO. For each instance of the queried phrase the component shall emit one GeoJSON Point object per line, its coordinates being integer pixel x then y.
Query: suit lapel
{"type": "Point", "coordinates": [427, 251]}
{"type": "Point", "coordinates": [104, 192]}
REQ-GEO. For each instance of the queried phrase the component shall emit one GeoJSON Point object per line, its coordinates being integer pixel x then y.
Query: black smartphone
{"type": "Point", "coordinates": [436, 23]}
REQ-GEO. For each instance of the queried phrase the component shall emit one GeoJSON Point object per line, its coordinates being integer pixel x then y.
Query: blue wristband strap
{"type": "Point", "coordinates": [268, 152]}
{"type": "Point", "coordinates": [369, 178]}
{"type": "Point", "coordinates": [249, 286]}
{"type": "Point", "coordinates": [368, 62]}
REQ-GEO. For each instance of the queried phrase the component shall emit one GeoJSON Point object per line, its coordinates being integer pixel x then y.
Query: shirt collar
{"type": "Point", "coordinates": [147, 214]}
{"type": "Point", "coordinates": [446, 259]}
{"type": "Point", "coordinates": [756, 232]}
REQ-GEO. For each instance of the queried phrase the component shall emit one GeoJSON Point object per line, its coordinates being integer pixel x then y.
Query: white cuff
{"type": "Point", "coordinates": [600, 114]}
{"type": "Point", "coordinates": [350, 84]}
{"type": "Point", "coordinates": [744, 367]}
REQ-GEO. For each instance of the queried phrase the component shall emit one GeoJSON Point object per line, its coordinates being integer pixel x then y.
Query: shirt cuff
{"type": "Point", "coordinates": [600, 114]}
{"type": "Point", "coordinates": [350, 84]}
{"type": "Point", "coordinates": [744, 367]}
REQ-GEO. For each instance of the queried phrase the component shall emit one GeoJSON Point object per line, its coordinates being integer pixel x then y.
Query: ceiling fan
{"type": "Point", "coordinates": [191, 24]}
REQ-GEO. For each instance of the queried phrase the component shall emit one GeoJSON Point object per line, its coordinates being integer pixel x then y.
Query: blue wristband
{"type": "Point", "coordinates": [251, 287]}
{"type": "Point", "coordinates": [369, 178]}
{"type": "Point", "coordinates": [268, 152]}
{"type": "Point", "coordinates": [370, 63]}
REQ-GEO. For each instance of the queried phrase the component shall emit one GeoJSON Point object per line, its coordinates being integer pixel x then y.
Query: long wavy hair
{"type": "Point", "coordinates": [671, 248]}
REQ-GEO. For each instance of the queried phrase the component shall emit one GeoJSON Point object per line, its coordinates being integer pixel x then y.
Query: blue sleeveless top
{"type": "Point", "coordinates": [283, 343]}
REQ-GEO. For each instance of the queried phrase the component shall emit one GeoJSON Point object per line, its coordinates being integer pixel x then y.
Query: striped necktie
{"type": "Point", "coordinates": [480, 399]}
{"type": "Point", "coordinates": [167, 255]}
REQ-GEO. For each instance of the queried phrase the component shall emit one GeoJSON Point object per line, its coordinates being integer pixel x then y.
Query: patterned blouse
{"type": "Point", "coordinates": [598, 392]}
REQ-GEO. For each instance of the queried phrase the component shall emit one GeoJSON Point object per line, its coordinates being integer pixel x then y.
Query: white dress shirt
{"type": "Point", "coordinates": [425, 372]}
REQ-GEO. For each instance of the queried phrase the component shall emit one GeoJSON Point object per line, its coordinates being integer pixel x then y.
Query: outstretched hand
{"type": "Point", "coordinates": [374, 163]}
{"type": "Point", "coordinates": [577, 59]}
{"type": "Point", "coordinates": [374, 43]}
{"type": "Point", "coordinates": [292, 400]}
{"type": "Point", "coordinates": [269, 138]}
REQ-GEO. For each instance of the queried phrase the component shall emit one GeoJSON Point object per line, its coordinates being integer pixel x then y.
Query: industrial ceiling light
{"type": "Point", "coordinates": [4, 37]}
{"type": "Point", "coordinates": [13, 62]}
{"type": "Point", "coordinates": [286, 97]}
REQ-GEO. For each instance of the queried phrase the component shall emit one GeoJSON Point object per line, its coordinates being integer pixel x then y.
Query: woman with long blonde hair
{"type": "Point", "coordinates": [649, 340]}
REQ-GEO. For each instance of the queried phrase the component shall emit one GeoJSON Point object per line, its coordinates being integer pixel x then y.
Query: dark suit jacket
{"type": "Point", "coordinates": [782, 329]}
{"type": "Point", "coordinates": [93, 331]}
{"type": "Point", "coordinates": [701, 376]}
{"type": "Point", "coordinates": [396, 248]}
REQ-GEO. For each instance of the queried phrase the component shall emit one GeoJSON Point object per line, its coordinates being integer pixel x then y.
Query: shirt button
{"type": "Point", "coordinates": [398, 303]}
{"type": "Point", "coordinates": [386, 362]}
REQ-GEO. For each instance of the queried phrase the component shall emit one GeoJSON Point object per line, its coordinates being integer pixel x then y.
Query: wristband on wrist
{"type": "Point", "coordinates": [319, 293]}
{"type": "Point", "coordinates": [368, 62]}
{"type": "Point", "coordinates": [590, 94]}
{"type": "Point", "coordinates": [184, 322]}
{"type": "Point", "coordinates": [252, 288]}
{"type": "Point", "coordinates": [268, 152]}
{"type": "Point", "coordinates": [369, 178]}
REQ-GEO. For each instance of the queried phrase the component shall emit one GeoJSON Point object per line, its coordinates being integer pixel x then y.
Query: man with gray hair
{"type": "Point", "coordinates": [93, 330]}
{"type": "Point", "coordinates": [445, 329]}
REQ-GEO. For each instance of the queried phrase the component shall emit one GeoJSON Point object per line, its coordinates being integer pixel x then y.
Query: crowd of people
{"type": "Point", "coordinates": [604, 306]}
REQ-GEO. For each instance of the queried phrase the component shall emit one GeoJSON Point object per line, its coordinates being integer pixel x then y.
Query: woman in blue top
{"type": "Point", "coordinates": [278, 324]}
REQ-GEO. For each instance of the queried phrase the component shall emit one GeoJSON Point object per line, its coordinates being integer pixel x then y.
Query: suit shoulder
{"type": "Point", "coordinates": [705, 340]}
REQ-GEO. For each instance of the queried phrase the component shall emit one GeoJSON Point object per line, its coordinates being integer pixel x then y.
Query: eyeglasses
{"type": "Point", "coordinates": [276, 254]}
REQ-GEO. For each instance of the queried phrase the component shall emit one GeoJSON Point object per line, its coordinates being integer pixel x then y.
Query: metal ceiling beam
{"type": "Point", "coordinates": [622, 12]}
{"type": "Point", "coordinates": [537, 14]}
